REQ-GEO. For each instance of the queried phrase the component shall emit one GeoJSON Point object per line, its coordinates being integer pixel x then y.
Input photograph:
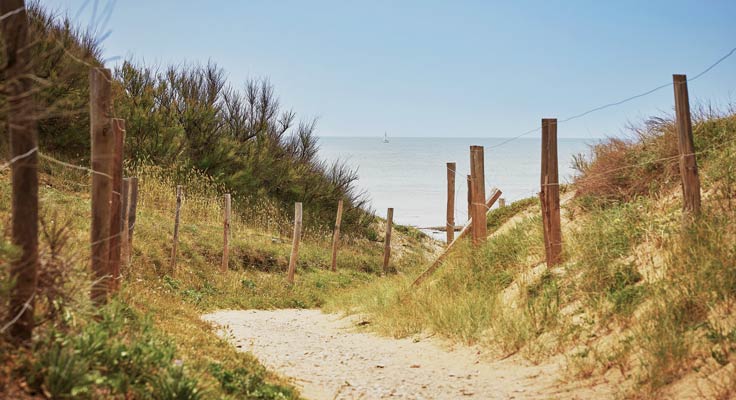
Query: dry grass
{"type": "Point", "coordinates": [641, 299]}
{"type": "Point", "coordinates": [170, 302]}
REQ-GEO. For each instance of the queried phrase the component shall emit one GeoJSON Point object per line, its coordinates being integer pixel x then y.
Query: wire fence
{"type": "Point", "coordinates": [57, 110]}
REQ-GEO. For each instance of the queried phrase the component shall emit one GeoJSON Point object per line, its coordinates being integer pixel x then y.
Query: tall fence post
{"type": "Point", "coordinates": [21, 128]}
{"type": "Point", "coordinates": [116, 201]}
{"type": "Point", "coordinates": [103, 145]}
{"type": "Point", "coordinates": [550, 193]}
{"type": "Point", "coordinates": [470, 197]}
{"type": "Point", "coordinates": [133, 207]}
{"type": "Point", "coordinates": [295, 241]}
{"type": "Point", "coordinates": [387, 240]}
{"type": "Point", "coordinates": [688, 163]}
{"type": "Point", "coordinates": [226, 234]}
{"type": "Point", "coordinates": [124, 251]}
{"type": "Point", "coordinates": [451, 167]}
{"type": "Point", "coordinates": [478, 198]}
{"type": "Point", "coordinates": [176, 229]}
{"type": "Point", "coordinates": [336, 235]}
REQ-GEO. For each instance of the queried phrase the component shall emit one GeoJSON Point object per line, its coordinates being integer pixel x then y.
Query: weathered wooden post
{"type": "Point", "coordinates": [226, 234]}
{"type": "Point", "coordinates": [124, 249]}
{"type": "Point", "coordinates": [451, 167]}
{"type": "Point", "coordinates": [477, 180]}
{"type": "Point", "coordinates": [470, 198]}
{"type": "Point", "coordinates": [21, 127]}
{"type": "Point", "coordinates": [295, 241]}
{"type": "Point", "coordinates": [103, 147]}
{"type": "Point", "coordinates": [176, 229]}
{"type": "Point", "coordinates": [116, 201]}
{"type": "Point", "coordinates": [132, 214]}
{"type": "Point", "coordinates": [387, 241]}
{"type": "Point", "coordinates": [336, 235]}
{"type": "Point", "coordinates": [688, 163]}
{"type": "Point", "coordinates": [550, 193]}
{"type": "Point", "coordinates": [501, 203]}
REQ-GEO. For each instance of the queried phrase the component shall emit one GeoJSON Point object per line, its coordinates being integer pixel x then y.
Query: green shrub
{"type": "Point", "coordinates": [174, 384]}
{"type": "Point", "coordinates": [118, 353]}
{"type": "Point", "coordinates": [244, 384]}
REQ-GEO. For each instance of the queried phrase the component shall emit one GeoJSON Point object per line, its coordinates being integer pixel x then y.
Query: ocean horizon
{"type": "Point", "coordinates": [410, 173]}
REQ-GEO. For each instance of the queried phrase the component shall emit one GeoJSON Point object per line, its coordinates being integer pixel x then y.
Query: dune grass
{"type": "Point", "coordinates": [642, 293]}
{"type": "Point", "coordinates": [150, 341]}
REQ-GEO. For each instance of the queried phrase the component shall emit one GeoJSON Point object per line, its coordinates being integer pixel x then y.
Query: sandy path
{"type": "Point", "coordinates": [328, 359]}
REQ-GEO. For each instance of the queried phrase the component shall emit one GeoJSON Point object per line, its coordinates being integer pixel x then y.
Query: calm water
{"type": "Point", "coordinates": [409, 174]}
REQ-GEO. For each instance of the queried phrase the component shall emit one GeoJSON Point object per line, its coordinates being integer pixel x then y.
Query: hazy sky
{"type": "Point", "coordinates": [440, 68]}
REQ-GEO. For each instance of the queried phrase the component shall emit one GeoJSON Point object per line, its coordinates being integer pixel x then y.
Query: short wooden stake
{"type": "Point", "coordinates": [387, 241]}
{"type": "Point", "coordinates": [295, 241]}
{"type": "Point", "coordinates": [688, 163]}
{"type": "Point", "coordinates": [477, 180]}
{"type": "Point", "coordinates": [226, 233]}
{"type": "Point", "coordinates": [495, 194]}
{"type": "Point", "coordinates": [501, 203]}
{"type": "Point", "coordinates": [470, 198]}
{"type": "Point", "coordinates": [550, 193]}
{"type": "Point", "coordinates": [451, 167]}
{"type": "Point", "coordinates": [124, 241]}
{"type": "Point", "coordinates": [132, 214]}
{"type": "Point", "coordinates": [176, 229]}
{"type": "Point", "coordinates": [116, 202]}
{"type": "Point", "coordinates": [103, 145]}
{"type": "Point", "coordinates": [336, 235]}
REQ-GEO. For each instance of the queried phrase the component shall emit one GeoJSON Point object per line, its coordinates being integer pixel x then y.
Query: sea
{"type": "Point", "coordinates": [410, 174]}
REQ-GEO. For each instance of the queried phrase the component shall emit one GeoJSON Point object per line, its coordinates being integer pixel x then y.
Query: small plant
{"type": "Point", "coordinates": [61, 373]}
{"type": "Point", "coordinates": [248, 284]}
{"type": "Point", "coordinates": [242, 383]}
{"type": "Point", "coordinates": [174, 384]}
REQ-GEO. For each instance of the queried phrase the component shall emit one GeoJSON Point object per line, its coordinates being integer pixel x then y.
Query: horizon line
{"type": "Point", "coordinates": [449, 137]}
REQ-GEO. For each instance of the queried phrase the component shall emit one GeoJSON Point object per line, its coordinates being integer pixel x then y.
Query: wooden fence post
{"type": "Point", "coordinates": [176, 229]}
{"type": "Point", "coordinates": [124, 250]}
{"type": "Point", "coordinates": [470, 198]}
{"type": "Point", "coordinates": [495, 194]}
{"type": "Point", "coordinates": [336, 235]}
{"type": "Point", "coordinates": [550, 193]}
{"type": "Point", "coordinates": [21, 127]}
{"type": "Point", "coordinates": [451, 167]}
{"type": "Point", "coordinates": [688, 163]}
{"type": "Point", "coordinates": [478, 182]}
{"type": "Point", "coordinates": [102, 153]}
{"type": "Point", "coordinates": [116, 201]}
{"type": "Point", "coordinates": [295, 241]}
{"type": "Point", "coordinates": [387, 241]}
{"type": "Point", "coordinates": [132, 213]}
{"type": "Point", "coordinates": [226, 234]}
{"type": "Point", "coordinates": [501, 203]}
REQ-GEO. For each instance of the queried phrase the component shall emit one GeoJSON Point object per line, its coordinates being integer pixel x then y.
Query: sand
{"type": "Point", "coordinates": [326, 357]}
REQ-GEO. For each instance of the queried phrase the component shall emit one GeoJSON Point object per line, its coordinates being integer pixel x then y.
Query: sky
{"type": "Point", "coordinates": [438, 68]}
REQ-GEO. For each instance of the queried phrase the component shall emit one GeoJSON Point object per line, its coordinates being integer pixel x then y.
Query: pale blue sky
{"type": "Point", "coordinates": [441, 68]}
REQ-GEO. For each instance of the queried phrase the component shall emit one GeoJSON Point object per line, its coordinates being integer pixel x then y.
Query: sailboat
{"type": "Point", "coordinates": [385, 137]}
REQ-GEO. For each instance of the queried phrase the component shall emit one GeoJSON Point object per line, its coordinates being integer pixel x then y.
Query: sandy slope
{"type": "Point", "coordinates": [328, 359]}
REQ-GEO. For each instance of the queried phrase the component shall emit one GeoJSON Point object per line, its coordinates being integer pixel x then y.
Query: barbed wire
{"type": "Point", "coordinates": [11, 13]}
{"type": "Point", "coordinates": [18, 158]}
{"type": "Point", "coordinates": [78, 167]}
{"type": "Point", "coordinates": [617, 103]}
{"type": "Point", "coordinates": [26, 306]}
